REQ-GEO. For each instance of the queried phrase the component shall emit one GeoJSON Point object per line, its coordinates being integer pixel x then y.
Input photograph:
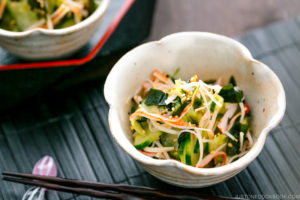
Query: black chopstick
{"type": "Point", "coordinates": [83, 191]}
{"type": "Point", "coordinates": [93, 185]}
{"type": "Point", "coordinates": [102, 189]}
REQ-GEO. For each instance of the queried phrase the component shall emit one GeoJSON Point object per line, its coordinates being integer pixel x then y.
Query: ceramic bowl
{"type": "Point", "coordinates": [40, 44]}
{"type": "Point", "coordinates": [210, 56]}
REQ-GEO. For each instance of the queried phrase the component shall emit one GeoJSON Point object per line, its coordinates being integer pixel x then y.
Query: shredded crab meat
{"type": "Point", "coordinates": [207, 159]}
{"type": "Point", "coordinates": [2, 7]}
{"type": "Point", "coordinates": [249, 137]}
{"type": "Point", "coordinates": [151, 127]}
{"type": "Point", "coordinates": [84, 13]}
{"type": "Point", "coordinates": [161, 86]}
{"type": "Point", "coordinates": [202, 108]}
{"type": "Point", "coordinates": [174, 123]}
{"type": "Point", "coordinates": [236, 156]}
{"type": "Point", "coordinates": [242, 112]}
{"type": "Point", "coordinates": [204, 119]}
{"type": "Point", "coordinates": [220, 81]}
{"type": "Point", "coordinates": [203, 89]}
{"type": "Point", "coordinates": [223, 124]}
{"type": "Point", "coordinates": [245, 146]}
{"type": "Point", "coordinates": [137, 99]}
{"type": "Point", "coordinates": [160, 155]}
{"type": "Point", "coordinates": [170, 99]}
{"type": "Point", "coordinates": [201, 141]}
{"type": "Point", "coordinates": [209, 94]}
{"type": "Point", "coordinates": [230, 135]}
{"type": "Point", "coordinates": [38, 24]}
{"type": "Point", "coordinates": [188, 127]}
{"type": "Point", "coordinates": [212, 155]}
{"type": "Point", "coordinates": [212, 122]}
{"type": "Point", "coordinates": [49, 22]}
{"type": "Point", "coordinates": [201, 83]}
{"type": "Point", "coordinates": [232, 121]}
{"type": "Point", "coordinates": [163, 128]}
{"type": "Point", "coordinates": [147, 85]}
{"type": "Point", "coordinates": [158, 149]}
{"type": "Point", "coordinates": [166, 155]}
{"type": "Point", "coordinates": [205, 101]}
{"type": "Point", "coordinates": [75, 8]}
{"type": "Point", "coordinates": [162, 78]}
{"type": "Point", "coordinates": [150, 154]}
{"type": "Point", "coordinates": [194, 133]}
{"type": "Point", "coordinates": [241, 140]}
{"type": "Point", "coordinates": [59, 14]}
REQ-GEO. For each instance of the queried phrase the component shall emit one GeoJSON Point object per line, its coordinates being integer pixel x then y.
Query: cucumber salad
{"type": "Point", "coordinates": [23, 15]}
{"type": "Point", "coordinates": [199, 123]}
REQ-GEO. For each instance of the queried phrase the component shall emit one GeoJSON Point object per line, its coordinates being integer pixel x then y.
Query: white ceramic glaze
{"type": "Point", "coordinates": [48, 44]}
{"type": "Point", "coordinates": [209, 56]}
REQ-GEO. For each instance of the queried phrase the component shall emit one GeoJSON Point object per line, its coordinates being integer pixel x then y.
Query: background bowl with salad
{"type": "Point", "coordinates": [43, 29]}
{"type": "Point", "coordinates": [161, 124]}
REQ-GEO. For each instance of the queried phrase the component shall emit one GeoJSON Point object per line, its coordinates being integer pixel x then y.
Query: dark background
{"type": "Point", "coordinates": [227, 17]}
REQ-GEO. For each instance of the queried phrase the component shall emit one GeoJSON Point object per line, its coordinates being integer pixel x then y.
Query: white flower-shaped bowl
{"type": "Point", "coordinates": [210, 56]}
{"type": "Point", "coordinates": [40, 44]}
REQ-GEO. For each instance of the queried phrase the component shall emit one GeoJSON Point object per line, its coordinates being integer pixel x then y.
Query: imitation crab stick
{"type": "Point", "coordinates": [207, 159]}
{"type": "Point", "coordinates": [159, 75]}
{"type": "Point", "coordinates": [2, 7]}
{"type": "Point", "coordinates": [59, 14]}
{"type": "Point", "coordinates": [162, 118]}
{"type": "Point", "coordinates": [75, 8]}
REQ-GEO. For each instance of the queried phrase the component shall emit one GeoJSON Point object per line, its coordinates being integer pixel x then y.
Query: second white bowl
{"type": "Point", "coordinates": [39, 44]}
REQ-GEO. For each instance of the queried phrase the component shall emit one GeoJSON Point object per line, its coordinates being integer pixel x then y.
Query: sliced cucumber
{"type": "Point", "coordinates": [214, 106]}
{"type": "Point", "coordinates": [137, 126]}
{"type": "Point", "coordinates": [187, 150]}
{"type": "Point", "coordinates": [197, 103]}
{"type": "Point", "coordinates": [206, 147]}
{"type": "Point", "coordinates": [217, 142]}
{"type": "Point", "coordinates": [143, 136]}
{"type": "Point", "coordinates": [66, 22]}
{"type": "Point", "coordinates": [220, 100]}
{"type": "Point", "coordinates": [193, 116]}
{"type": "Point", "coordinates": [182, 151]}
{"type": "Point", "coordinates": [170, 140]}
{"type": "Point", "coordinates": [23, 15]}
{"type": "Point", "coordinates": [142, 141]}
{"type": "Point", "coordinates": [177, 105]}
{"type": "Point", "coordinates": [195, 150]}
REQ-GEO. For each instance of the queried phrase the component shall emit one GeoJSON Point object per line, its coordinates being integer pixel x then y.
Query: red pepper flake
{"type": "Point", "coordinates": [247, 108]}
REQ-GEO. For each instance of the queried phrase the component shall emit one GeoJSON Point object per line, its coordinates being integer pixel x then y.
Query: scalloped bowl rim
{"type": "Point", "coordinates": [242, 162]}
{"type": "Point", "coordinates": [98, 13]}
